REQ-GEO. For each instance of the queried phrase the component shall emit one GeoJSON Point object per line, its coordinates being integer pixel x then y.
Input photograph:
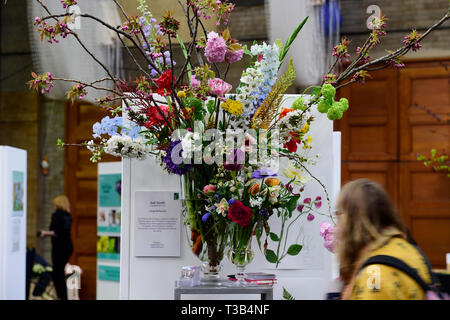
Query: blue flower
{"type": "Point", "coordinates": [231, 201]}
{"type": "Point", "coordinates": [206, 216]}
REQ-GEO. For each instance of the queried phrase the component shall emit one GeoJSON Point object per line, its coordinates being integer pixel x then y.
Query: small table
{"type": "Point", "coordinates": [266, 292]}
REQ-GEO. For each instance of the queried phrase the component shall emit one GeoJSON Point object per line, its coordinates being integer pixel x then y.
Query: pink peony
{"type": "Point", "coordinates": [219, 87]}
{"type": "Point", "coordinates": [194, 82]}
{"type": "Point", "coordinates": [235, 56]}
{"type": "Point", "coordinates": [215, 48]}
{"type": "Point", "coordinates": [209, 188]}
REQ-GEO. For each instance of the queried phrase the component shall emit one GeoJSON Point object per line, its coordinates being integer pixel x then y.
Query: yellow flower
{"type": "Point", "coordinates": [233, 106]}
{"type": "Point", "coordinates": [181, 94]}
{"type": "Point", "coordinates": [307, 143]}
{"type": "Point", "coordinates": [305, 128]}
{"type": "Point", "coordinates": [272, 182]}
{"type": "Point", "coordinates": [298, 175]}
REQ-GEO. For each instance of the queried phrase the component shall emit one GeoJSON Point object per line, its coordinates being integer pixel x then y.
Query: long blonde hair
{"type": "Point", "coordinates": [365, 210]}
{"type": "Point", "coordinates": [62, 202]}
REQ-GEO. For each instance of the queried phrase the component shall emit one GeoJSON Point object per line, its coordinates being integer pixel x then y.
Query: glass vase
{"type": "Point", "coordinates": [241, 257]}
{"type": "Point", "coordinates": [206, 238]}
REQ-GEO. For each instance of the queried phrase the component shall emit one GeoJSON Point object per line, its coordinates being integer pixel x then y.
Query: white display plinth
{"type": "Point", "coordinates": [13, 222]}
{"type": "Point", "coordinates": [305, 276]}
{"type": "Point", "coordinates": [108, 225]}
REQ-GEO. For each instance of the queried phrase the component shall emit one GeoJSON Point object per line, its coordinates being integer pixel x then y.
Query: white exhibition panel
{"type": "Point", "coordinates": [305, 276]}
{"type": "Point", "coordinates": [108, 290]}
{"type": "Point", "coordinates": [13, 222]}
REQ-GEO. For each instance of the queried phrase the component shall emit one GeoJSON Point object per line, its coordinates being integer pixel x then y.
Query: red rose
{"type": "Point", "coordinates": [154, 116]}
{"type": "Point", "coordinates": [164, 83]}
{"type": "Point", "coordinates": [240, 213]}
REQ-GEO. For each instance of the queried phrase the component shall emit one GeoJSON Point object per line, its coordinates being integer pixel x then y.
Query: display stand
{"type": "Point", "coordinates": [266, 292]}
{"type": "Point", "coordinates": [13, 222]}
{"type": "Point", "coordinates": [306, 276]}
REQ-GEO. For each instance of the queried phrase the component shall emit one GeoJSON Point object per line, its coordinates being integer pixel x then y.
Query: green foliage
{"type": "Point", "coordinates": [439, 163]}
{"type": "Point", "coordinates": [60, 143]}
{"type": "Point", "coordinates": [294, 249]}
{"type": "Point", "coordinates": [271, 256]}
{"type": "Point", "coordinates": [290, 40]}
{"type": "Point", "coordinates": [274, 237]}
{"type": "Point", "coordinates": [287, 295]}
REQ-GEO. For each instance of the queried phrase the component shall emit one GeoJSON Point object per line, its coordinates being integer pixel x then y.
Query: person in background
{"type": "Point", "coordinates": [368, 225]}
{"type": "Point", "coordinates": [62, 246]}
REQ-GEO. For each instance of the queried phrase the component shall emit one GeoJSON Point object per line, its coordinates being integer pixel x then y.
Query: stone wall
{"type": "Point", "coordinates": [29, 121]}
{"type": "Point", "coordinates": [403, 16]}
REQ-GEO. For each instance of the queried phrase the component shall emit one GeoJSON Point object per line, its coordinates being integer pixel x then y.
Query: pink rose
{"type": "Point", "coordinates": [219, 87]}
{"type": "Point", "coordinates": [209, 188]}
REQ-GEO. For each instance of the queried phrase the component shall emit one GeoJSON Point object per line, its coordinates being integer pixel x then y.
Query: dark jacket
{"type": "Point", "coordinates": [62, 243]}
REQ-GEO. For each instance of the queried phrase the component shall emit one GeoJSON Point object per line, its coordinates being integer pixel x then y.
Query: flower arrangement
{"type": "Point", "coordinates": [224, 143]}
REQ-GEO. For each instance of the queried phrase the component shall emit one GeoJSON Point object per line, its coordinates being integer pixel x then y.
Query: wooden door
{"type": "Point", "coordinates": [369, 131]}
{"type": "Point", "coordinates": [81, 188]}
{"type": "Point", "coordinates": [392, 118]}
{"type": "Point", "coordinates": [425, 124]}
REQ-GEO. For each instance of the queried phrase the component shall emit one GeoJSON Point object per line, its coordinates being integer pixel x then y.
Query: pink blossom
{"type": "Point", "coordinates": [209, 188]}
{"type": "Point", "coordinates": [219, 87]}
{"type": "Point", "coordinates": [231, 57]}
{"type": "Point", "coordinates": [327, 232]}
{"type": "Point", "coordinates": [215, 48]}
{"type": "Point", "coordinates": [194, 82]}
{"type": "Point", "coordinates": [310, 217]}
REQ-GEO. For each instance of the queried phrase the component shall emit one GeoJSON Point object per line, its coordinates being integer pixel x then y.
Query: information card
{"type": "Point", "coordinates": [157, 224]}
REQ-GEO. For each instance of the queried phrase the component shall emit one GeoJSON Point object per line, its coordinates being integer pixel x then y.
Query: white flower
{"type": "Point", "coordinates": [222, 207]}
{"type": "Point", "coordinates": [256, 202]}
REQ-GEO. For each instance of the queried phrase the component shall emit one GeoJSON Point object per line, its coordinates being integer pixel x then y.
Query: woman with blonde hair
{"type": "Point", "coordinates": [368, 227]}
{"type": "Point", "coordinates": [62, 246]}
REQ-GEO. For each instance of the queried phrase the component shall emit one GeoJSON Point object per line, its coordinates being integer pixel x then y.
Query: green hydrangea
{"type": "Point", "coordinates": [328, 91]}
{"type": "Point", "coordinates": [334, 113]}
{"type": "Point", "coordinates": [344, 104]}
{"type": "Point", "coordinates": [323, 106]}
{"type": "Point", "coordinates": [299, 104]}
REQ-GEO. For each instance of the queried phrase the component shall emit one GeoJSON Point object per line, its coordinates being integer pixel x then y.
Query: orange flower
{"type": "Point", "coordinates": [284, 112]}
{"type": "Point", "coordinates": [272, 182]}
{"type": "Point", "coordinates": [254, 189]}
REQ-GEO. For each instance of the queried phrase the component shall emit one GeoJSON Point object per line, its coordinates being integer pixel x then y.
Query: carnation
{"type": "Point", "coordinates": [219, 87]}
{"type": "Point", "coordinates": [233, 56]}
{"type": "Point", "coordinates": [216, 48]}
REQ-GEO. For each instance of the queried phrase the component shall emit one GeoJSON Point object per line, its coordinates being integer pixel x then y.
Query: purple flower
{"type": "Point", "coordinates": [262, 173]}
{"type": "Point", "coordinates": [300, 208]}
{"type": "Point", "coordinates": [310, 217]}
{"type": "Point", "coordinates": [318, 204]}
{"type": "Point", "coordinates": [238, 161]}
{"type": "Point", "coordinates": [264, 212]}
{"type": "Point", "coordinates": [231, 201]}
{"type": "Point", "coordinates": [215, 48]}
{"type": "Point", "coordinates": [179, 169]}
{"type": "Point", "coordinates": [206, 216]}
{"type": "Point", "coordinates": [318, 198]}
{"type": "Point", "coordinates": [307, 200]}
